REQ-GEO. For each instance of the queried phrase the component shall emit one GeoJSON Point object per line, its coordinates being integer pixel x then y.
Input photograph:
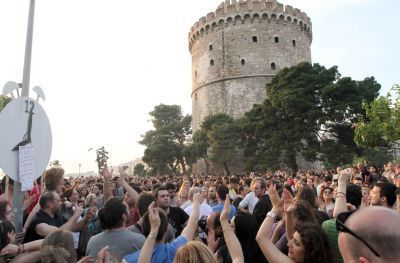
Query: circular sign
{"type": "Point", "coordinates": [24, 122]}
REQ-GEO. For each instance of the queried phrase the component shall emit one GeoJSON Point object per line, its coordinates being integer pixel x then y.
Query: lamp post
{"type": "Point", "coordinates": [79, 173]}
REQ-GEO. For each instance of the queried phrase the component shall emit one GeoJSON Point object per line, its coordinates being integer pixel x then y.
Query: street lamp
{"type": "Point", "coordinates": [79, 174]}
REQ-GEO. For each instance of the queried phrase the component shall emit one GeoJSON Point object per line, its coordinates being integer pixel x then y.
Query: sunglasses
{"type": "Point", "coordinates": [340, 227]}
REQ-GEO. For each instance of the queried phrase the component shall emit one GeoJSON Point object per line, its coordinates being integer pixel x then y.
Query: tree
{"type": "Point", "coordinates": [55, 163]}
{"type": "Point", "coordinates": [3, 102]}
{"type": "Point", "coordinates": [166, 143]}
{"type": "Point", "coordinates": [138, 169]}
{"type": "Point", "coordinates": [101, 159]}
{"type": "Point", "coordinates": [216, 140]}
{"type": "Point", "coordinates": [380, 127]}
{"type": "Point", "coordinates": [309, 111]}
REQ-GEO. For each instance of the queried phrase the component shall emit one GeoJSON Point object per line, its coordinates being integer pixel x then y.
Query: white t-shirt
{"type": "Point", "coordinates": [249, 201]}
{"type": "Point", "coordinates": [205, 210]}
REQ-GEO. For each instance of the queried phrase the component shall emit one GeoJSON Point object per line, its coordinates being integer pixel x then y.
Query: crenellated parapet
{"type": "Point", "coordinates": [232, 12]}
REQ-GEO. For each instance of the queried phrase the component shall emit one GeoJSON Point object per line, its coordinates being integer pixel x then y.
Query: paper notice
{"type": "Point", "coordinates": [27, 166]}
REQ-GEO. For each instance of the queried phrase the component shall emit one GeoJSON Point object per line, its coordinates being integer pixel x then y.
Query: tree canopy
{"type": "Point", "coordinates": [380, 126]}
{"type": "Point", "coordinates": [309, 111]}
{"type": "Point", "coordinates": [165, 145]}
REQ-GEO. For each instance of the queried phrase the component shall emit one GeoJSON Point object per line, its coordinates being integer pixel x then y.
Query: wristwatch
{"type": "Point", "coordinates": [272, 215]}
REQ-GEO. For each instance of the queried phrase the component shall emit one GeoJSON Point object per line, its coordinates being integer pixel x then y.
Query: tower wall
{"type": "Point", "coordinates": [238, 48]}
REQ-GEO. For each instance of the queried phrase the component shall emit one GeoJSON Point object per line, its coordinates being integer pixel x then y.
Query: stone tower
{"type": "Point", "coordinates": [238, 48]}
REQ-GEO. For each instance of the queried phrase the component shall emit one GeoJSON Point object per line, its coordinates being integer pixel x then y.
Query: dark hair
{"type": "Point", "coordinates": [144, 200]}
{"type": "Point", "coordinates": [246, 228]}
{"type": "Point", "coordinates": [170, 186]}
{"type": "Point", "coordinates": [307, 194]}
{"type": "Point", "coordinates": [161, 188]}
{"type": "Point", "coordinates": [5, 228]}
{"type": "Point", "coordinates": [45, 198]}
{"type": "Point", "coordinates": [111, 215]}
{"type": "Point", "coordinates": [304, 212]}
{"type": "Point", "coordinates": [328, 178]}
{"type": "Point", "coordinates": [68, 193]}
{"type": "Point", "coordinates": [100, 186]}
{"type": "Point", "coordinates": [3, 209]}
{"type": "Point", "coordinates": [222, 191]}
{"type": "Point", "coordinates": [163, 224]}
{"type": "Point", "coordinates": [388, 190]}
{"type": "Point", "coordinates": [353, 194]}
{"type": "Point", "coordinates": [316, 243]}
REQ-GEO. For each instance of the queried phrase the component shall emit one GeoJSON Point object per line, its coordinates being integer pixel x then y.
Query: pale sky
{"type": "Point", "coordinates": [104, 64]}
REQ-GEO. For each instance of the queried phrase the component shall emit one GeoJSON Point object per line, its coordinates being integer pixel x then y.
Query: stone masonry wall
{"type": "Point", "coordinates": [238, 48]}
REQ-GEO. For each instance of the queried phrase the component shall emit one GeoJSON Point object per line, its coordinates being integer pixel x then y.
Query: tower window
{"type": "Point", "coordinates": [254, 39]}
{"type": "Point", "coordinates": [273, 67]}
{"type": "Point", "coordinates": [243, 62]}
{"type": "Point", "coordinates": [276, 39]}
{"type": "Point", "coordinates": [212, 62]}
{"type": "Point", "coordinates": [210, 47]}
{"type": "Point", "coordinates": [195, 74]}
{"type": "Point", "coordinates": [294, 42]}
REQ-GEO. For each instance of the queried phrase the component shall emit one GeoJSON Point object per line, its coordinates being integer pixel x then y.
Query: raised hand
{"type": "Point", "coordinates": [212, 243]}
{"type": "Point", "coordinates": [122, 174]}
{"type": "Point", "coordinates": [197, 198]}
{"type": "Point", "coordinates": [154, 218]}
{"type": "Point", "coordinates": [226, 210]}
{"type": "Point", "coordinates": [276, 201]}
{"type": "Point", "coordinates": [344, 176]}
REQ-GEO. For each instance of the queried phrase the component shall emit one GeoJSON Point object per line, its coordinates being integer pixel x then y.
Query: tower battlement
{"type": "Point", "coordinates": [232, 12]}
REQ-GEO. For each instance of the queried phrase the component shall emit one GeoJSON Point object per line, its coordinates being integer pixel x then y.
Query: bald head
{"type": "Point", "coordinates": [379, 227]}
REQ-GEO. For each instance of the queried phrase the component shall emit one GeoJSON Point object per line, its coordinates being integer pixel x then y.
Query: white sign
{"type": "Point", "coordinates": [24, 122]}
{"type": "Point", "coordinates": [27, 166]}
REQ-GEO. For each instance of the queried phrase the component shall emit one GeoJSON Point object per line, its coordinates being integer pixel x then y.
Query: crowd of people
{"type": "Point", "coordinates": [342, 215]}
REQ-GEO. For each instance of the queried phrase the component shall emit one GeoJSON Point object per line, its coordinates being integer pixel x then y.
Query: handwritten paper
{"type": "Point", "coordinates": [27, 166]}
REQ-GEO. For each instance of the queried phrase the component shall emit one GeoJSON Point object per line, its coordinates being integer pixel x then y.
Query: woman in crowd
{"type": "Point", "coordinates": [6, 213]}
{"type": "Point", "coordinates": [194, 252]}
{"type": "Point", "coordinates": [326, 201]}
{"type": "Point", "coordinates": [309, 242]}
{"type": "Point", "coordinates": [183, 194]}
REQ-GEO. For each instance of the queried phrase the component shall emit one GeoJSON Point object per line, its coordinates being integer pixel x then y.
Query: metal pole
{"type": "Point", "coordinates": [28, 51]}
{"type": "Point", "coordinates": [18, 197]}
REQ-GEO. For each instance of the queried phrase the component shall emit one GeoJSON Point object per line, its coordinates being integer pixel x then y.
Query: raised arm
{"type": "Point", "coordinates": [191, 227]}
{"type": "Point", "coordinates": [271, 252]}
{"type": "Point", "coordinates": [289, 207]}
{"type": "Point", "coordinates": [233, 244]}
{"type": "Point", "coordinates": [341, 200]}
{"type": "Point", "coordinates": [147, 250]}
{"type": "Point", "coordinates": [107, 184]}
{"type": "Point", "coordinates": [130, 191]}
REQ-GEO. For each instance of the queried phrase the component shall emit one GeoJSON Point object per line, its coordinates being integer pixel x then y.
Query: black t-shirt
{"type": "Point", "coordinates": [42, 217]}
{"type": "Point", "coordinates": [177, 219]}
{"type": "Point", "coordinates": [237, 201]}
{"type": "Point", "coordinates": [261, 209]}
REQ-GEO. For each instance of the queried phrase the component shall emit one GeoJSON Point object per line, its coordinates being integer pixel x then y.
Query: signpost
{"type": "Point", "coordinates": [25, 140]}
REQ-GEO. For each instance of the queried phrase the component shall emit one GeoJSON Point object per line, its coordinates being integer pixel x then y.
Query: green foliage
{"type": "Point", "coordinates": [166, 144]}
{"type": "Point", "coordinates": [139, 169]}
{"type": "Point", "coordinates": [101, 159]}
{"type": "Point", "coordinates": [380, 127]}
{"type": "Point", "coordinates": [216, 140]}
{"type": "Point", "coordinates": [4, 101]}
{"type": "Point", "coordinates": [55, 163]}
{"type": "Point", "coordinates": [309, 110]}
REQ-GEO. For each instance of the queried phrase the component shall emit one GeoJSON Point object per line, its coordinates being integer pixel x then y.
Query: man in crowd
{"type": "Point", "coordinates": [376, 226]}
{"type": "Point", "coordinates": [212, 196]}
{"type": "Point", "coordinates": [222, 191]}
{"type": "Point", "coordinates": [176, 216]}
{"type": "Point", "coordinates": [383, 194]}
{"type": "Point", "coordinates": [264, 204]}
{"type": "Point", "coordinates": [97, 189]}
{"type": "Point", "coordinates": [48, 219]}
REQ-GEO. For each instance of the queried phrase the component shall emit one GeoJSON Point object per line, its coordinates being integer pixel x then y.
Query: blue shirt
{"type": "Point", "coordinates": [219, 208]}
{"type": "Point", "coordinates": [162, 253]}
